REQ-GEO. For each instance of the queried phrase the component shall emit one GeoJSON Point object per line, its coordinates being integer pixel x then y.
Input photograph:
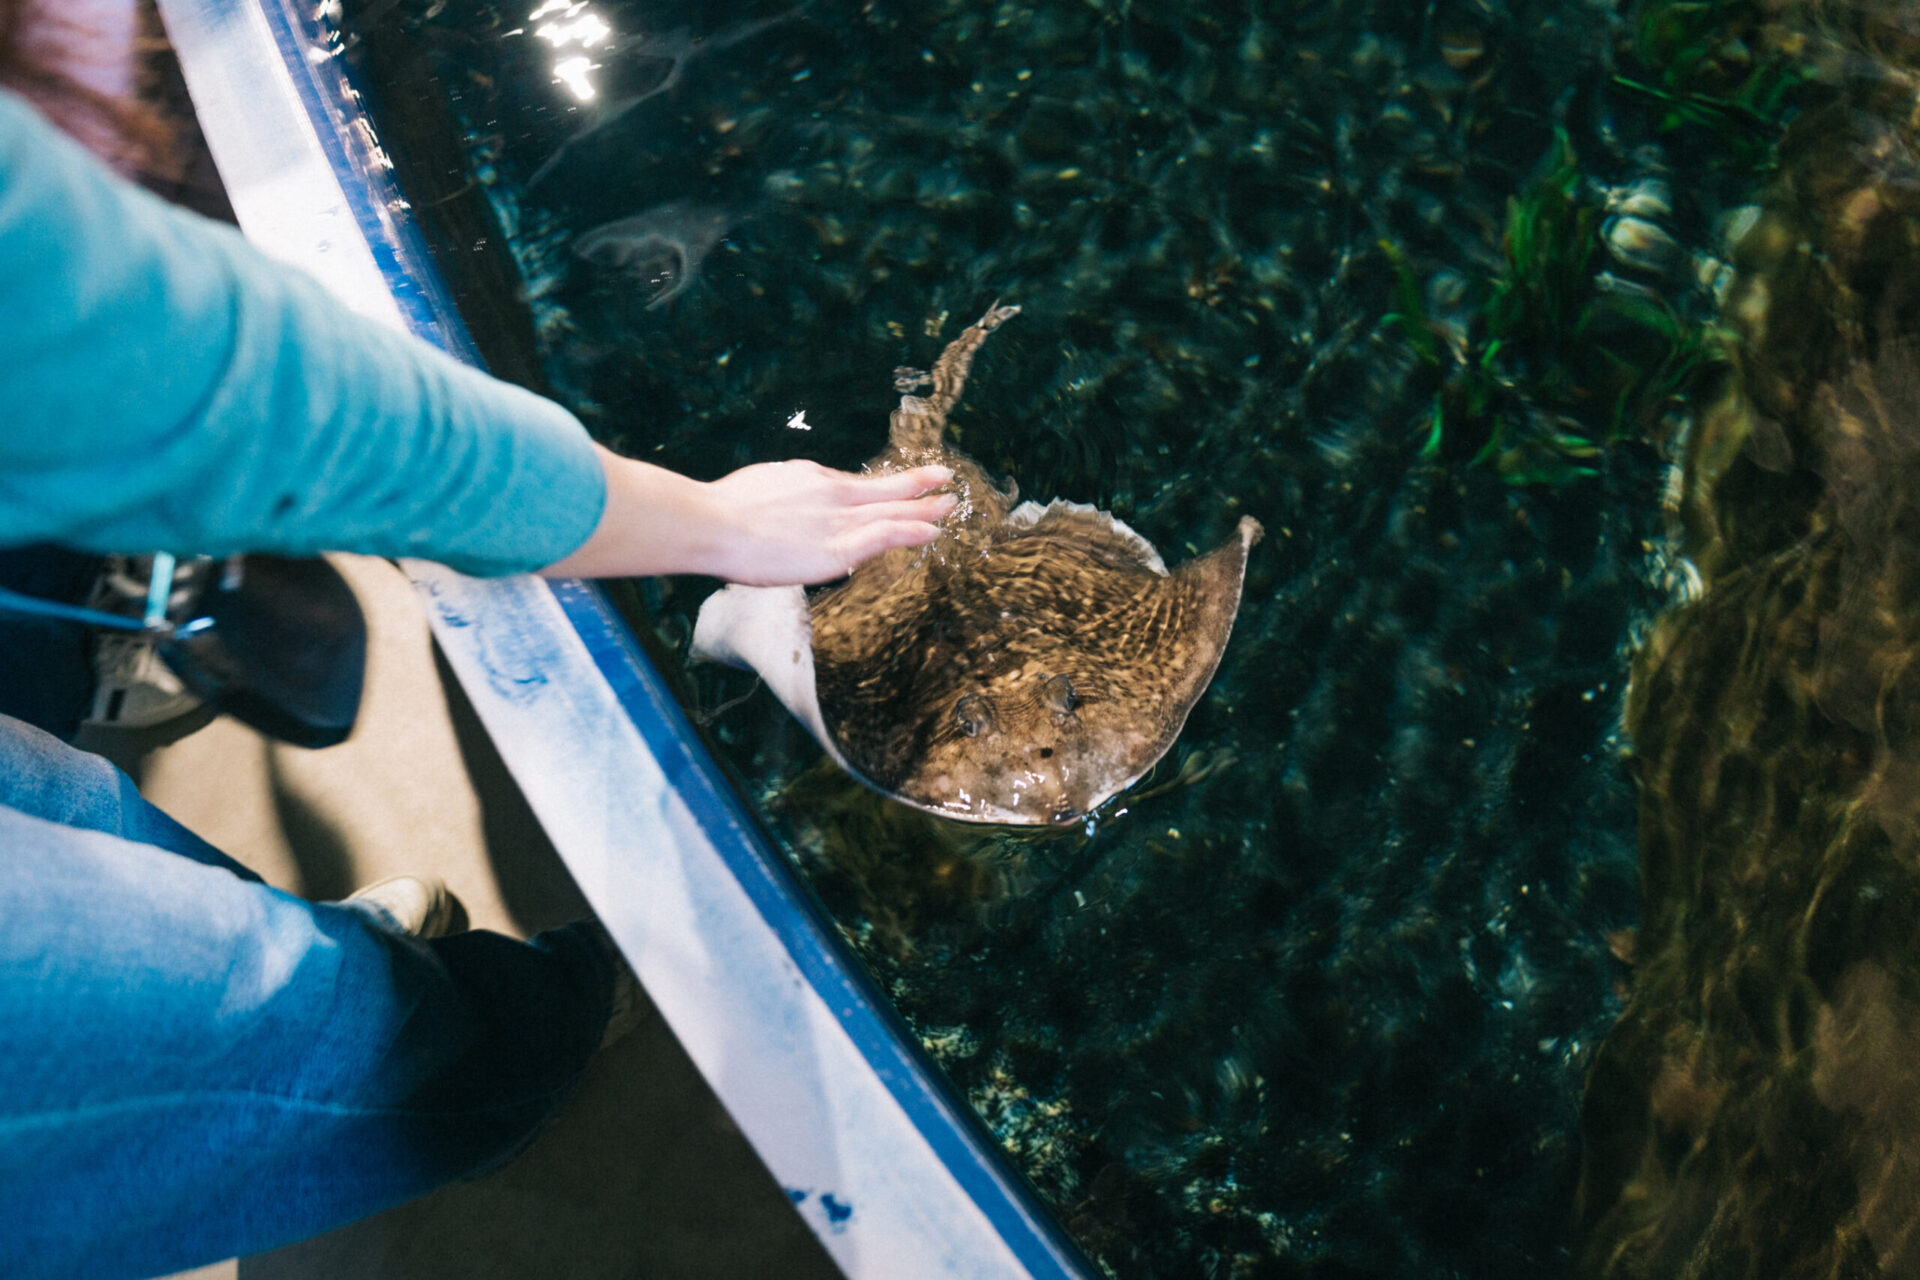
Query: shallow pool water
{"type": "Point", "coordinates": [1464, 303]}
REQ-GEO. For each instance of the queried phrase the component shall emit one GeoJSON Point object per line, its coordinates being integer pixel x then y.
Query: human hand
{"type": "Point", "coordinates": [770, 524]}
{"type": "Point", "coordinates": [800, 522]}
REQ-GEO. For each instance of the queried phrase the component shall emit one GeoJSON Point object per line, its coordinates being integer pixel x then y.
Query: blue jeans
{"type": "Point", "coordinates": [194, 1065]}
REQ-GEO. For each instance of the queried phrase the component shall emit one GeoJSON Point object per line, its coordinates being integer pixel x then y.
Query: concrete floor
{"type": "Point", "coordinates": [643, 1175]}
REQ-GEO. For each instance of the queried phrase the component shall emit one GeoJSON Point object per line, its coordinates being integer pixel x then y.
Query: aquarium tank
{"type": "Point", "coordinates": [1534, 889]}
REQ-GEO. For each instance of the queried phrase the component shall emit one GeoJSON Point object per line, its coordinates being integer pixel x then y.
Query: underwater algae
{"type": "Point", "coordinates": [1754, 1111]}
{"type": "Point", "coordinates": [1319, 995]}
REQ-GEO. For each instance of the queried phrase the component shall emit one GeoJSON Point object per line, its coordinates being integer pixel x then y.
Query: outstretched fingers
{"type": "Point", "coordinates": [887, 535]}
{"type": "Point", "coordinates": [930, 509]}
{"type": "Point", "coordinates": [893, 486]}
{"type": "Point", "coordinates": [883, 523]}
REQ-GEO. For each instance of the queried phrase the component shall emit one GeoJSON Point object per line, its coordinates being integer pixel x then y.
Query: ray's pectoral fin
{"type": "Point", "coordinates": [1186, 622]}
{"type": "Point", "coordinates": [1088, 525]}
{"type": "Point", "coordinates": [769, 631]}
{"type": "Point", "coordinates": [919, 423]}
{"type": "Point", "coordinates": [1226, 563]}
{"type": "Point", "coordinates": [1211, 585]}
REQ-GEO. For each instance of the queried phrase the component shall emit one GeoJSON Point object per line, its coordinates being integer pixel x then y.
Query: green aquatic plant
{"type": "Point", "coordinates": [1557, 360]}
{"type": "Point", "coordinates": [1716, 65]}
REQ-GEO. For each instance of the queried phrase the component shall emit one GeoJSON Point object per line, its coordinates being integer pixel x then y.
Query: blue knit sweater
{"type": "Point", "coordinates": [165, 387]}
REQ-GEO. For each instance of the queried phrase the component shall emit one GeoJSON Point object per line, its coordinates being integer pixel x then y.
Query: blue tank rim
{"type": "Point", "coordinates": [950, 1128]}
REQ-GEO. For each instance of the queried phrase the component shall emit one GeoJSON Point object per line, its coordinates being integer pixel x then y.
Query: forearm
{"type": "Point", "coordinates": [654, 522]}
{"type": "Point", "coordinates": [773, 523]}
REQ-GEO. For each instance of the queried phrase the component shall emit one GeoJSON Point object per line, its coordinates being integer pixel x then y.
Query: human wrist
{"type": "Point", "coordinates": [706, 532]}
{"type": "Point", "coordinates": [667, 522]}
{"type": "Point", "coordinates": [654, 521]}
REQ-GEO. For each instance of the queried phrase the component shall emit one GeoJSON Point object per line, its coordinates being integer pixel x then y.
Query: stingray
{"type": "Point", "coordinates": [1024, 668]}
{"type": "Point", "coordinates": [664, 245]}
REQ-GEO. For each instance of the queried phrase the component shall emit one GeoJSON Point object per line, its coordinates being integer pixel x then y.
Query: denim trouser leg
{"type": "Point", "coordinates": [194, 1065]}
{"type": "Point", "coordinates": [43, 776]}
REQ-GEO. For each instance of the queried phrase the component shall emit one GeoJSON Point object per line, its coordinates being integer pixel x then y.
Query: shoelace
{"type": "Point", "coordinates": [153, 621]}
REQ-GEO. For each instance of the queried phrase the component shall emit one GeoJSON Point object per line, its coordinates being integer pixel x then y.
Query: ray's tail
{"type": "Point", "coordinates": [918, 424]}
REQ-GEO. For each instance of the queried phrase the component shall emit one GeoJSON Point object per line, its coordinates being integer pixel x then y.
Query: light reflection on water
{"type": "Point", "coordinates": [562, 23]}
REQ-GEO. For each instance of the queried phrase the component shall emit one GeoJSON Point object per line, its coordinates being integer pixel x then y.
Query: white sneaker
{"type": "Point", "coordinates": [419, 906]}
{"type": "Point", "coordinates": [630, 1005]}
{"type": "Point", "coordinates": [134, 688]}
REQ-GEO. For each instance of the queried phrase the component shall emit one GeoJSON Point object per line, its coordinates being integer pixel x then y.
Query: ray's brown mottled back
{"type": "Point", "coordinates": [1032, 662]}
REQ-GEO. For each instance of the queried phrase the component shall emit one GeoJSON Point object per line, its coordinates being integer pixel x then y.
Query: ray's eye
{"type": "Point", "coordinates": [973, 715]}
{"type": "Point", "coordinates": [1058, 695]}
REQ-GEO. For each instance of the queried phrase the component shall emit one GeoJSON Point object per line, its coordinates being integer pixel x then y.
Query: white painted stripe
{"type": "Point", "coordinates": [282, 186]}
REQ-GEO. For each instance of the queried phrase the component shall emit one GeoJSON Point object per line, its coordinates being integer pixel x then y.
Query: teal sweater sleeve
{"type": "Point", "coordinates": [163, 386]}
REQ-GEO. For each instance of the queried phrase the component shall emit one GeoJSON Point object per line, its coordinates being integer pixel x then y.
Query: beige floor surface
{"type": "Point", "coordinates": [642, 1176]}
